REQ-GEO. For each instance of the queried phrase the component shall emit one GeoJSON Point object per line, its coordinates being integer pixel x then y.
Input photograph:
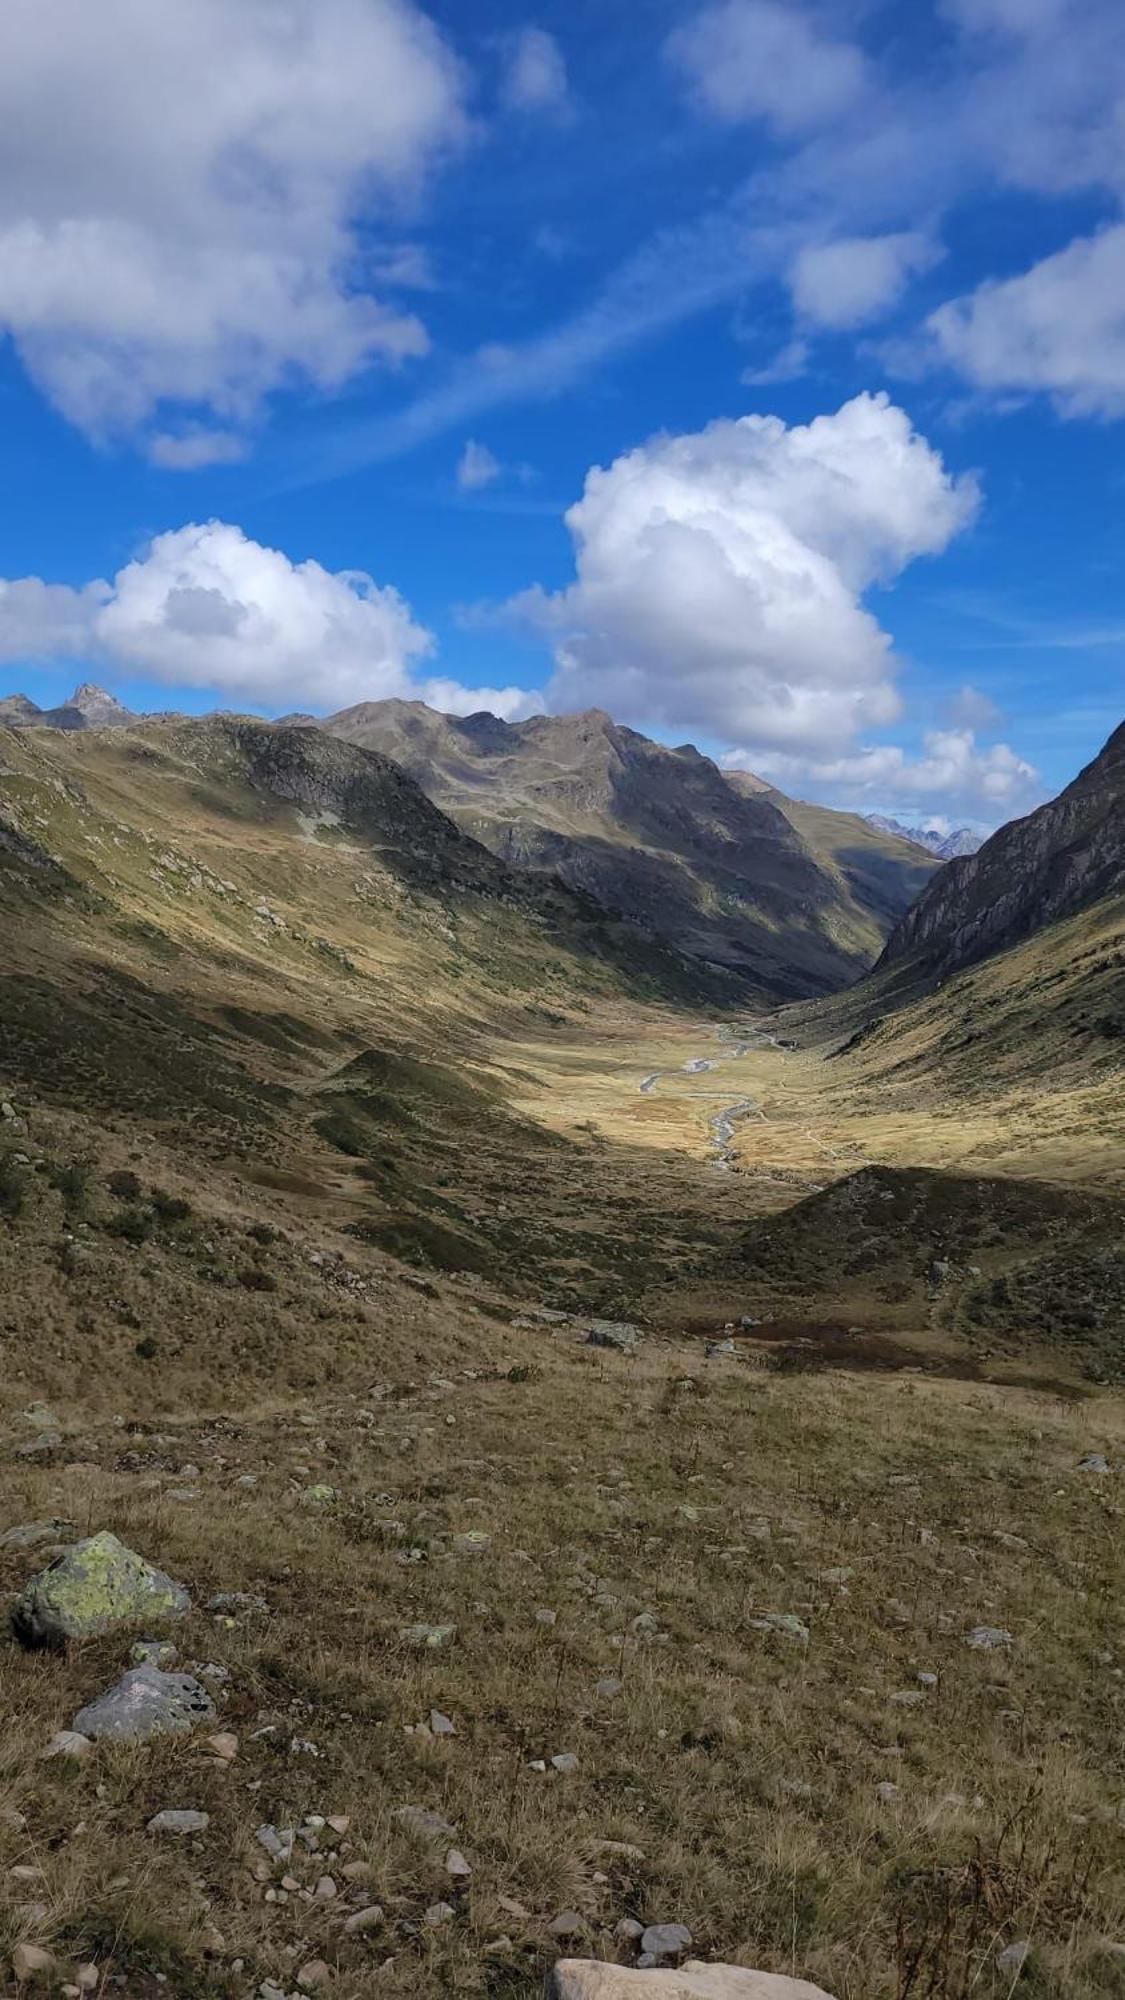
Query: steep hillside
{"type": "Point", "coordinates": [878, 872]}
{"type": "Point", "coordinates": [658, 834]}
{"type": "Point", "coordinates": [1060, 860]}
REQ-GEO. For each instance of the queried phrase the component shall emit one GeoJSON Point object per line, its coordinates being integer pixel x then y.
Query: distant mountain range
{"type": "Point", "coordinates": [89, 707]}
{"type": "Point", "coordinates": [947, 846]}
{"type": "Point", "coordinates": [721, 866]}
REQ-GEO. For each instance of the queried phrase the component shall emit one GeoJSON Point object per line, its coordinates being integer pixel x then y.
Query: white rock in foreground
{"type": "Point", "coordinates": [581, 1979]}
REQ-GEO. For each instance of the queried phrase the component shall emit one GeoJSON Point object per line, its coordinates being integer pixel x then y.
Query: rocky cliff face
{"type": "Point", "coordinates": [1056, 862]}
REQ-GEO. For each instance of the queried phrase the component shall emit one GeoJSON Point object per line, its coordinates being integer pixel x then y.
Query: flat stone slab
{"type": "Point", "coordinates": [97, 1586]}
{"type": "Point", "coordinates": [582, 1979]}
{"type": "Point", "coordinates": [144, 1703]}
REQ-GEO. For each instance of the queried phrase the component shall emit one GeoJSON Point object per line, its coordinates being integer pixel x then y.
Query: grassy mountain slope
{"type": "Point", "coordinates": [309, 1107]}
{"type": "Point", "coordinates": [878, 873]}
{"type": "Point", "coordinates": [656, 833]}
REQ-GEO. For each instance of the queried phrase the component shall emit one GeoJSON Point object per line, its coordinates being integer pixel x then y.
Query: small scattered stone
{"type": "Point", "coordinates": [68, 1743]}
{"type": "Point", "coordinates": [364, 1920]}
{"type": "Point", "coordinates": [429, 1638]}
{"type": "Point", "coordinates": [547, 1618]}
{"type": "Point", "coordinates": [987, 1638]}
{"type": "Point", "coordinates": [278, 1844]}
{"type": "Point", "coordinates": [457, 1866]}
{"type": "Point", "coordinates": [224, 1746]}
{"type": "Point", "coordinates": [784, 1622]}
{"type": "Point", "coordinates": [566, 1762]}
{"type": "Point", "coordinates": [608, 1688]}
{"type": "Point", "coordinates": [29, 1534]}
{"type": "Point", "coordinates": [175, 1820]}
{"type": "Point", "coordinates": [424, 1824]}
{"type": "Point", "coordinates": [665, 1940]}
{"type": "Point", "coordinates": [568, 1924]}
{"type": "Point", "coordinates": [313, 1974]}
{"type": "Point", "coordinates": [238, 1604]}
{"type": "Point", "coordinates": [440, 1725]}
{"type": "Point", "coordinates": [1093, 1462]}
{"type": "Point", "coordinates": [32, 1961]}
{"type": "Point", "coordinates": [439, 1914]}
{"type": "Point", "coordinates": [627, 1930]}
{"type": "Point", "coordinates": [326, 1890]}
{"type": "Point", "coordinates": [154, 1653]}
{"type": "Point", "coordinates": [887, 1793]}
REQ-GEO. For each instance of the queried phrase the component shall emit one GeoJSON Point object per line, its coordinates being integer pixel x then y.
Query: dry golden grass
{"type": "Point", "coordinates": [742, 1765]}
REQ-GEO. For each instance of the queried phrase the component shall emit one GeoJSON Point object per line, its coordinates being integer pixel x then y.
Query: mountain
{"type": "Point", "coordinates": [661, 835]}
{"type": "Point", "coordinates": [1058, 861]}
{"type": "Point", "coordinates": [947, 846]}
{"type": "Point", "coordinates": [878, 873]}
{"type": "Point", "coordinates": [89, 707]}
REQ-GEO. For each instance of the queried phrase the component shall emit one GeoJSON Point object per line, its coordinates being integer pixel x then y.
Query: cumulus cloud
{"type": "Point", "coordinates": [477, 466]}
{"type": "Point", "coordinates": [971, 708]}
{"type": "Point", "coordinates": [204, 606]}
{"type": "Point", "coordinates": [856, 279]}
{"type": "Point", "coordinates": [972, 781]}
{"type": "Point", "coordinates": [720, 576]}
{"type": "Point", "coordinates": [767, 59]}
{"type": "Point", "coordinates": [535, 79]}
{"type": "Point", "coordinates": [179, 192]}
{"type": "Point", "coordinates": [1059, 328]}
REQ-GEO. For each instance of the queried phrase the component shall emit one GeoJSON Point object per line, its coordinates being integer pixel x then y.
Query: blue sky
{"type": "Point", "coordinates": [753, 370]}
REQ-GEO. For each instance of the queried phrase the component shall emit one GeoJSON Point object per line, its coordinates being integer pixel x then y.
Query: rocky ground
{"type": "Point", "coordinates": [485, 1668]}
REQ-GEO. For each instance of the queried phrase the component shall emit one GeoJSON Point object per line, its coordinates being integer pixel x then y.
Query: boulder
{"type": "Point", "coordinates": [144, 1703]}
{"type": "Point", "coordinates": [582, 1979]}
{"type": "Point", "coordinates": [30, 1534]}
{"type": "Point", "coordinates": [619, 1335]}
{"type": "Point", "coordinates": [95, 1587]}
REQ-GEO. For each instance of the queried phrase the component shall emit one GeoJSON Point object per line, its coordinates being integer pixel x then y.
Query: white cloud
{"type": "Point", "coordinates": [766, 59]}
{"type": "Point", "coordinates": [179, 187]}
{"type": "Point", "coordinates": [535, 79]}
{"type": "Point", "coordinates": [788, 365]}
{"type": "Point", "coordinates": [720, 576]}
{"type": "Point", "coordinates": [193, 448]}
{"type": "Point", "coordinates": [987, 785]}
{"type": "Point", "coordinates": [477, 466]}
{"type": "Point", "coordinates": [206, 607]}
{"type": "Point", "coordinates": [1058, 329]}
{"type": "Point", "coordinates": [971, 708]}
{"type": "Point", "coordinates": [856, 279]}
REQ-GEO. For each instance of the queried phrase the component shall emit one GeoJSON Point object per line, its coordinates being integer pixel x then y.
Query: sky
{"type": "Point", "coordinates": [752, 369]}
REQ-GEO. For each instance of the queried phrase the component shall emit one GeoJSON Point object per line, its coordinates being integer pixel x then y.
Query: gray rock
{"type": "Point", "coordinates": [144, 1703]}
{"type": "Point", "coordinates": [30, 1534]}
{"type": "Point", "coordinates": [666, 1940]}
{"type": "Point", "coordinates": [96, 1587]}
{"type": "Point", "coordinates": [1093, 1462]}
{"type": "Point", "coordinates": [278, 1843]}
{"type": "Point", "coordinates": [440, 1725]}
{"type": "Point", "coordinates": [627, 1930]}
{"type": "Point", "coordinates": [179, 1820]}
{"type": "Point", "coordinates": [238, 1604]}
{"type": "Point", "coordinates": [566, 1762]}
{"type": "Point", "coordinates": [718, 1350]}
{"type": "Point", "coordinates": [987, 1638]}
{"type": "Point", "coordinates": [584, 1979]}
{"type": "Point", "coordinates": [424, 1824]}
{"type": "Point", "coordinates": [153, 1653]}
{"type": "Point", "coordinates": [618, 1335]}
{"type": "Point", "coordinates": [366, 1920]}
{"type": "Point", "coordinates": [784, 1622]}
{"type": "Point", "coordinates": [608, 1688]}
{"type": "Point", "coordinates": [568, 1924]}
{"type": "Point", "coordinates": [437, 1915]}
{"type": "Point", "coordinates": [429, 1638]}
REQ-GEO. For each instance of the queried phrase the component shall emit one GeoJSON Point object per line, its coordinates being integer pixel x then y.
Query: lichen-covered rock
{"type": "Point", "coordinates": [95, 1587]}
{"type": "Point", "coordinates": [583, 1979]}
{"type": "Point", "coordinates": [144, 1703]}
{"type": "Point", "coordinates": [30, 1534]}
